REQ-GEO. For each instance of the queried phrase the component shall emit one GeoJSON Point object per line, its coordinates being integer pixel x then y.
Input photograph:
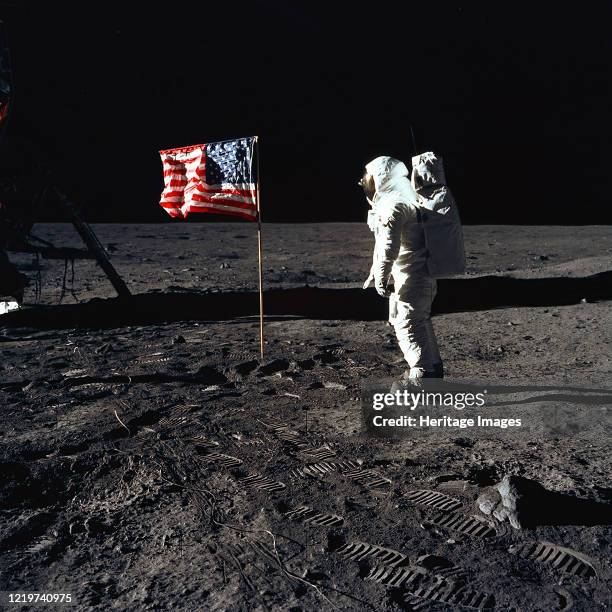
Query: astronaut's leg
{"type": "Point", "coordinates": [392, 308]}
{"type": "Point", "coordinates": [438, 368]}
{"type": "Point", "coordinates": [414, 329]}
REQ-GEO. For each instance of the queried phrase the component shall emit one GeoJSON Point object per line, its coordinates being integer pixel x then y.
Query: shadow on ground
{"type": "Point", "coordinates": [454, 295]}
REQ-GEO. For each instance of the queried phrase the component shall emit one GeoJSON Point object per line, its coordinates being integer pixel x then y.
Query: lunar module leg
{"type": "Point", "coordinates": [93, 244]}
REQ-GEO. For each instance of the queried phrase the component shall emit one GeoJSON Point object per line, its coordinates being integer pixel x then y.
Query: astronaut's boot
{"type": "Point", "coordinates": [414, 374]}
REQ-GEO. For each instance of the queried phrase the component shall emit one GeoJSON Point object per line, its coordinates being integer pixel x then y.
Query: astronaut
{"type": "Point", "coordinates": [418, 239]}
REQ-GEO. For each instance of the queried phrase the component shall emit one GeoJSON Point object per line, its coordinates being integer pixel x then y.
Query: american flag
{"type": "Point", "coordinates": [218, 177]}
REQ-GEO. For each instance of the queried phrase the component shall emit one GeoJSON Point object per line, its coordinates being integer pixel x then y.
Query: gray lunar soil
{"type": "Point", "coordinates": [167, 467]}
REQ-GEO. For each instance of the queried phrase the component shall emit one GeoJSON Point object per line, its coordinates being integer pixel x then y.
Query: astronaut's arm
{"type": "Point", "coordinates": [387, 248]}
{"type": "Point", "coordinates": [372, 220]}
{"type": "Point", "coordinates": [372, 226]}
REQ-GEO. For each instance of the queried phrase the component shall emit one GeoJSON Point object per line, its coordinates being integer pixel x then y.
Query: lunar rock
{"type": "Point", "coordinates": [526, 503]}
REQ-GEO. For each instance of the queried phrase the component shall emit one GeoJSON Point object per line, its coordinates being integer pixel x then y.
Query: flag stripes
{"type": "Point", "coordinates": [212, 178]}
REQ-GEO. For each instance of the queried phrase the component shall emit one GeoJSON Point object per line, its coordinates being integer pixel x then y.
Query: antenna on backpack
{"type": "Point", "coordinates": [414, 147]}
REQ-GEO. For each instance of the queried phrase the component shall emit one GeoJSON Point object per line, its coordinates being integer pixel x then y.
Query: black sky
{"type": "Point", "coordinates": [515, 97]}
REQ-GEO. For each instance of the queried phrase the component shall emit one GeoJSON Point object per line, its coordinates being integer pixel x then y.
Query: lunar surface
{"type": "Point", "coordinates": [151, 460]}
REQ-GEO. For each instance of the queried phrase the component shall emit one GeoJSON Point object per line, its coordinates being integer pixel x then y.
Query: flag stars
{"type": "Point", "coordinates": [228, 162]}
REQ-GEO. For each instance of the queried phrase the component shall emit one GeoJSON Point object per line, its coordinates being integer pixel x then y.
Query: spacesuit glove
{"type": "Point", "coordinates": [368, 281]}
{"type": "Point", "coordinates": [383, 290]}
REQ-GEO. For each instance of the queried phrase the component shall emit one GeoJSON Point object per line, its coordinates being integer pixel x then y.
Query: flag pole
{"type": "Point", "coordinates": [259, 248]}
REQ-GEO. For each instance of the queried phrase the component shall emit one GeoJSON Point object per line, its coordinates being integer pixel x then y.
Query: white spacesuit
{"type": "Point", "coordinates": [407, 225]}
